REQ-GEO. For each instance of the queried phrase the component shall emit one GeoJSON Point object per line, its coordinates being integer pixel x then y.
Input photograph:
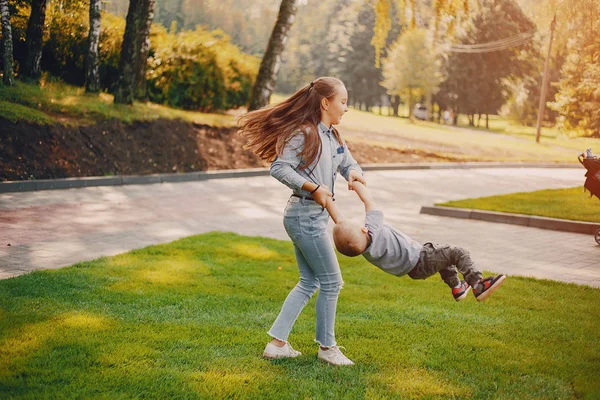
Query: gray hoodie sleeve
{"type": "Point", "coordinates": [348, 163]}
{"type": "Point", "coordinates": [284, 167]}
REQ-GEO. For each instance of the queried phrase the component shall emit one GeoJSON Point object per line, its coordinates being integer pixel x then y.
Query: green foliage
{"type": "Point", "coordinates": [480, 83]}
{"type": "Point", "coordinates": [363, 78]}
{"type": "Point", "coordinates": [571, 204]}
{"type": "Point", "coordinates": [578, 97]}
{"type": "Point", "coordinates": [65, 41]}
{"type": "Point", "coordinates": [189, 319]}
{"type": "Point", "coordinates": [194, 70]}
{"type": "Point", "coordinates": [198, 70]}
{"type": "Point", "coordinates": [524, 103]}
{"type": "Point", "coordinates": [412, 67]}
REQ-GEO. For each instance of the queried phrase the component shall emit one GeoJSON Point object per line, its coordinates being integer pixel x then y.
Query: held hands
{"type": "Point", "coordinates": [321, 195]}
{"type": "Point", "coordinates": [355, 176]}
{"type": "Point", "coordinates": [364, 195]}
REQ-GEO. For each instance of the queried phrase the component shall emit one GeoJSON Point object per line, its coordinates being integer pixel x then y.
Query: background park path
{"type": "Point", "coordinates": [51, 229]}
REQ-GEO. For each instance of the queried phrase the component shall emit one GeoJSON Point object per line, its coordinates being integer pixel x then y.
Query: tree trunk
{"type": "Point", "coordinates": [143, 38]}
{"type": "Point", "coordinates": [430, 114]}
{"type": "Point", "coordinates": [129, 55]}
{"type": "Point", "coordinates": [410, 99]}
{"type": "Point", "coordinates": [35, 30]}
{"type": "Point", "coordinates": [478, 119]}
{"type": "Point", "coordinates": [487, 121]}
{"type": "Point", "coordinates": [395, 100]}
{"type": "Point", "coordinates": [92, 77]}
{"type": "Point", "coordinates": [7, 45]}
{"type": "Point", "coordinates": [265, 80]}
{"type": "Point", "coordinates": [139, 16]}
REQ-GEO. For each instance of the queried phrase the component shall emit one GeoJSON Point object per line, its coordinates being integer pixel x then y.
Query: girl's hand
{"type": "Point", "coordinates": [355, 176]}
{"type": "Point", "coordinates": [321, 195]}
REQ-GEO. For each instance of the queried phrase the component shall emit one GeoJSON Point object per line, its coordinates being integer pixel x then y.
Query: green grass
{"type": "Point", "coordinates": [572, 204]}
{"type": "Point", "coordinates": [56, 102]}
{"type": "Point", "coordinates": [189, 319]}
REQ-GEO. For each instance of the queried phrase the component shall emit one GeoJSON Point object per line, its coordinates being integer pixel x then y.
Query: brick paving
{"type": "Point", "coordinates": [52, 229]}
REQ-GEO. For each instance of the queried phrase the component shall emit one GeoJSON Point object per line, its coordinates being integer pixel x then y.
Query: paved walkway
{"type": "Point", "coordinates": [51, 229]}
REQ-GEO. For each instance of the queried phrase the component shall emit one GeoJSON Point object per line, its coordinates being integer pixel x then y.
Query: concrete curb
{"type": "Point", "coordinates": [69, 183]}
{"type": "Point", "coordinates": [554, 224]}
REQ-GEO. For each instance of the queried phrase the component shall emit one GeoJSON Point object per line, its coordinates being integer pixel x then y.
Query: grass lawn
{"type": "Point", "coordinates": [487, 145]}
{"type": "Point", "coordinates": [55, 102]}
{"type": "Point", "coordinates": [570, 203]}
{"type": "Point", "coordinates": [189, 319]}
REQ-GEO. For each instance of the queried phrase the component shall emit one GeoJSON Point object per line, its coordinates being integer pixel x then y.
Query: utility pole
{"type": "Point", "coordinates": [545, 83]}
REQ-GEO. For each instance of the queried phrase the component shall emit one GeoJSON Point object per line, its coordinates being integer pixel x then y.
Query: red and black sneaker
{"type": "Point", "coordinates": [460, 292]}
{"type": "Point", "coordinates": [487, 286]}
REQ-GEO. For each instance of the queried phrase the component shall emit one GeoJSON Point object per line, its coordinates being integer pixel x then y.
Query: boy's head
{"type": "Point", "coordinates": [350, 238]}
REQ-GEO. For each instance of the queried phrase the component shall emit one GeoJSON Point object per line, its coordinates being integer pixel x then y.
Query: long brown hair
{"type": "Point", "coordinates": [269, 129]}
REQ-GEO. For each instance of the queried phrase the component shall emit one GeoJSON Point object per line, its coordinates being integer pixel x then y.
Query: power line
{"type": "Point", "coordinates": [497, 45]}
{"type": "Point", "coordinates": [516, 37]}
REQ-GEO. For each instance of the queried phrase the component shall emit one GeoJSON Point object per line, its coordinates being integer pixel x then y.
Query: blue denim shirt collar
{"type": "Point", "coordinates": [324, 129]}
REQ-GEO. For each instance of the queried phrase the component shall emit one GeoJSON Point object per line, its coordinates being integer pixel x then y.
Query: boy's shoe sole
{"type": "Point", "coordinates": [464, 295]}
{"type": "Point", "coordinates": [491, 289]}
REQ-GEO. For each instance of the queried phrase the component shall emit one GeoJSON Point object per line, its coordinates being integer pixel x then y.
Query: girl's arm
{"type": "Point", "coordinates": [284, 167]}
{"type": "Point", "coordinates": [349, 164]}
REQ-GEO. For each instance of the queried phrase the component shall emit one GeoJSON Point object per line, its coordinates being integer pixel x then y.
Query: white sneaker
{"type": "Point", "coordinates": [286, 351]}
{"type": "Point", "coordinates": [334, 356]}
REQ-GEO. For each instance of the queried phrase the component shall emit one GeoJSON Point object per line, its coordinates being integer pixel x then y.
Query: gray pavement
{"type": "Point", "coordinates": [52, 229]}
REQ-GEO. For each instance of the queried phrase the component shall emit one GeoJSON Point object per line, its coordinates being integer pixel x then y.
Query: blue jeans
{"type": "Point", "coordinates": [305, 222]}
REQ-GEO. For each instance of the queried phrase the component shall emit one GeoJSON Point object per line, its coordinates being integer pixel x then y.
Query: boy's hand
{"type": "Point", "coordinates": [355, 176]}
{"type": "Point", "coordinates": [364, 195]}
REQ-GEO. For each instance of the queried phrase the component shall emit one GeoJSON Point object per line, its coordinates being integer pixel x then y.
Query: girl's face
{"type": "Point", "coordinates": [334, 108]}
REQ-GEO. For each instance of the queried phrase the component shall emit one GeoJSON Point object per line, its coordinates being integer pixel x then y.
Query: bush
{"type": "Point", "coordinates": [194, 70]}
{"type": "Point", "coordinates": [198, 70]}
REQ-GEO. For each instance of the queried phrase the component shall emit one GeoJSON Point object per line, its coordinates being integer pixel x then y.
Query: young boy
{"type": "Point", "coordinates": [397, 254]}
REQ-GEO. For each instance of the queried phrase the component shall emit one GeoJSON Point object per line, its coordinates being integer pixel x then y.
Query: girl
{"type": "Point", "coordinates": [297, 135]}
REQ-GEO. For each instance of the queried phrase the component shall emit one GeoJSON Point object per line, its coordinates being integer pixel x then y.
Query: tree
{"type": "Point", "coordinates": [92, 77]}
{"type": "Point", "coordinates": [578, 97]}
{"type": "Point", "coordinates": [138, 17]}
{"type": "Point", "coordinates": [480, 83]}
{"type": "Point", "coordinates": [362, 78]}
{"type": "Point", "coordinates": [7, 49]}
{"type": "Point", "coordinates": [267, 73]}
{"type": "Point", "coordinates": [171, 14]}
{"type": "Point", "coordinates": [416, 13]}
{"type": "Point", "coordinates": [35, 30]}
{"type": "Point", "coordinates": [412, 67]}
{"type": "Point", "coordinates": [143, 38]}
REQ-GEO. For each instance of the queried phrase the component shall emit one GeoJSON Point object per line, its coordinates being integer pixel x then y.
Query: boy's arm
{"type": "Point", "coordinates": [364, 195]}
{"type": "Point", "coordinates": [334, 211]}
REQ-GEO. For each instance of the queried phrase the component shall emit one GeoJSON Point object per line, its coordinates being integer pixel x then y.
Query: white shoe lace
{"type": "Point", "coordinates": [289, 350]}
{"type": "Point", "coordinates": [338, 356]}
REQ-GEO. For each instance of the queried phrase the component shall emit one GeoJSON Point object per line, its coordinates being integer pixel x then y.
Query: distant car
{"type": "Point", "coordinates": [420, 112]}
